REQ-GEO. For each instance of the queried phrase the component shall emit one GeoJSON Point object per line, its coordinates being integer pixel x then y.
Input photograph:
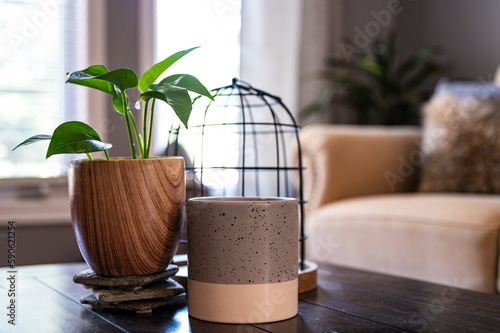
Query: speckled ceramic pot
{"type": "Point", "coordinates": [242, 259]}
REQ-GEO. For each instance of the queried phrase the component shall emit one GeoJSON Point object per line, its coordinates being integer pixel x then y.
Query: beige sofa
{"type": "Point", "coordinates": [363, 210]}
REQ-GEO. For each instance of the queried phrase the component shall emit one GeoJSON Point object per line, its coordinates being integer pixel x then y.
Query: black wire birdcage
{"type": "Point", "coordinates": [239, 145]}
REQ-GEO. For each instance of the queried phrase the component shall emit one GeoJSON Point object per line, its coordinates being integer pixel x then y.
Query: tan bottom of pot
{"type": "Point", "coordinates": [243, 303]}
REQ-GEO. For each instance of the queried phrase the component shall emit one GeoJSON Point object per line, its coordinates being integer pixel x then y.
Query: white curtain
{"type": "Point", "coordinates": [284, 41]}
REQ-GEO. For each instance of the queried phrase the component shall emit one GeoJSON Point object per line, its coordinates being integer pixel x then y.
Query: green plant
{"type": "Point", "coordinates": [376, 87]}
{"type": "Point", "coordinates": [76, 137]}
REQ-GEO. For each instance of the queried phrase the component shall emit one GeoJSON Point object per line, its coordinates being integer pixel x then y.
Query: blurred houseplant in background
{"type": "Point", "coordinates": [375, 86]}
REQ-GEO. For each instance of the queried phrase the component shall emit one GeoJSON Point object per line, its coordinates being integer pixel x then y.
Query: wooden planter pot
{"type": "Point", "coordinates": [127, 214]}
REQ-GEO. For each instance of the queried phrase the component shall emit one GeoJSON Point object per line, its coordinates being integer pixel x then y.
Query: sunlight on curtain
{"type": "Point", "coordinates": [212, 25]}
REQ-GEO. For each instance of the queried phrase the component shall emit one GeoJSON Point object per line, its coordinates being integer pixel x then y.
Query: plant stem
{"type": "Point", "coordinates": [89, 156]}
{"type": "Point", "coordinates": [145, 127]}
{"type": "Point", "coordinates": [137, 134]}
{"type": "Point", "coordinates": [151, 125]}
{"type": "Point", "coordinates": [106, 154]}
{"type": "Point", "coordinates": [129, 129]}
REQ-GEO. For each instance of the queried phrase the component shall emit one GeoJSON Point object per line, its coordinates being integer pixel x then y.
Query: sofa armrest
{"type": "Point", "coordinates": [348, 161]}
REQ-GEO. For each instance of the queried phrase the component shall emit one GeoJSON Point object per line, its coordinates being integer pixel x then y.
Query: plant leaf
{"type": "Point", "coordinates": [424, 73]}
{"type": "Point", "coordinates": [154, 72]}
{"type": "Point", "coordinates": [117, 103]}
{"type": "Point", "coordinates": [420, 57]}
{"type": "Point", "coordinates": [341, 64]}
{"type": "Point", "coordinates": [33, 139]}
{"type": "Point", "coordinates": [89, 77]}
{"type": "Point", "coordinates": [371, 66]}
{"type": "Point", "coordinates": [379, 52]}
{"type": "Point", "coordinates": [188, 82]}
{"type": "Point", "coordinates": [391, 50]}
{"type": "Point", "coordinates": [177, 98]}
{"type": "Point", "coordinates": [99, 77]}
{"type": "Point", "coordinates": [123, 78]}
{"type": "Point", "coordinates": [145, 96]}
{"type": "Point", "coordinates": [75, 137]}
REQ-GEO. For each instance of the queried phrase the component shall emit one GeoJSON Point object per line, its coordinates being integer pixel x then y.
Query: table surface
{"type": "Point", "coordinates": [346, 300]}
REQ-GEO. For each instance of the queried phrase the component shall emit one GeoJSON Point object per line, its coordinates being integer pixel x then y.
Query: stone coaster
{"type": "Point", "coordinates": [162, 289]}
{"type": "Point", "coordinates": [92, 280]}
{"type": "Point", "coordinates": [181, 276]}
{"type": "Point", "coordinates": [143, 306]}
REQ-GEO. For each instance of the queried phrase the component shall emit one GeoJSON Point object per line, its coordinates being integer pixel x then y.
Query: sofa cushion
{"type": "Point", "coordinates": [461, 147]}
{"type": "Point", "coordinates": [349, 161]}
{"type": "Point", "coordinates": [442, 238]}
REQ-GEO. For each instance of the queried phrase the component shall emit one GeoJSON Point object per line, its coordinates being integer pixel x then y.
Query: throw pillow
{"type": "Point", "coordinates": [461, 141]}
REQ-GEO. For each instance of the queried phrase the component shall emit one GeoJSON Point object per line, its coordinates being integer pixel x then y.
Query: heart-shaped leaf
{"type": "Point", "coordinates": [150, 76]}
{"type": "Point", "coordinates": [177, 98]}
{"type": "Point", "coordinates": [146, 96]}
{"type": "Point", "coordinates": [87, 77]}
{"type": "Point", "coordinates": [123, 78]}
{"type": "Point", "coordinates": [188, 82]}
{"type": "Point", "coordinates": [98, 77]}
{"type": "Point", "coordinates": [33, 139]}
{"type": "Point", "coordinates": [75, 137]}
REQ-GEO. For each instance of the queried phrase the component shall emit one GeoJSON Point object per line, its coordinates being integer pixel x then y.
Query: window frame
{"type": "Point", "coordinates": [45, 201]}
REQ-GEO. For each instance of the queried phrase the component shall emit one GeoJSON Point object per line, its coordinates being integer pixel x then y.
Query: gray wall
{"type": "Point", "coordinates": [467, 31]}
{"type": "Point", "coordinates": [42, 245]}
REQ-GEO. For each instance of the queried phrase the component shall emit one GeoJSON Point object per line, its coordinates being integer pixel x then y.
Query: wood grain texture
{"type": "Point", "coordinates": [346, 300]}
{"type": "Point", "coordinates": [406, 304]}
{"type": "Point", "coordinates": [308, 277]}
{"type": "Point", "coordinates": [127, 214]}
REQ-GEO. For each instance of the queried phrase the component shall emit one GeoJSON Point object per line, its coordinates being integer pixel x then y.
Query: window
{"type": "Point", "coordinates": [40, 43]}
{"type": "Point", "coordinates": [212, 25]}
{"type": "Point", "coordinates": [56, 36]}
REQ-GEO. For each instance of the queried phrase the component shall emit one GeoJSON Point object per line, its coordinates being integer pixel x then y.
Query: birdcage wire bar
{"type": "Point", "coordinates": [261, 124]}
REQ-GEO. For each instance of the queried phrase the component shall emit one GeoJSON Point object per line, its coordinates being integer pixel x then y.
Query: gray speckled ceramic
{"type": "Point", "coordinates": [242, 240]}
{"type": "Point", "coordinates": [242, 259]}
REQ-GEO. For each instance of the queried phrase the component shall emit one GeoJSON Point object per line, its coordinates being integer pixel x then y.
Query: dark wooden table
{"type": "Point", "coordinates": [346, 300]}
